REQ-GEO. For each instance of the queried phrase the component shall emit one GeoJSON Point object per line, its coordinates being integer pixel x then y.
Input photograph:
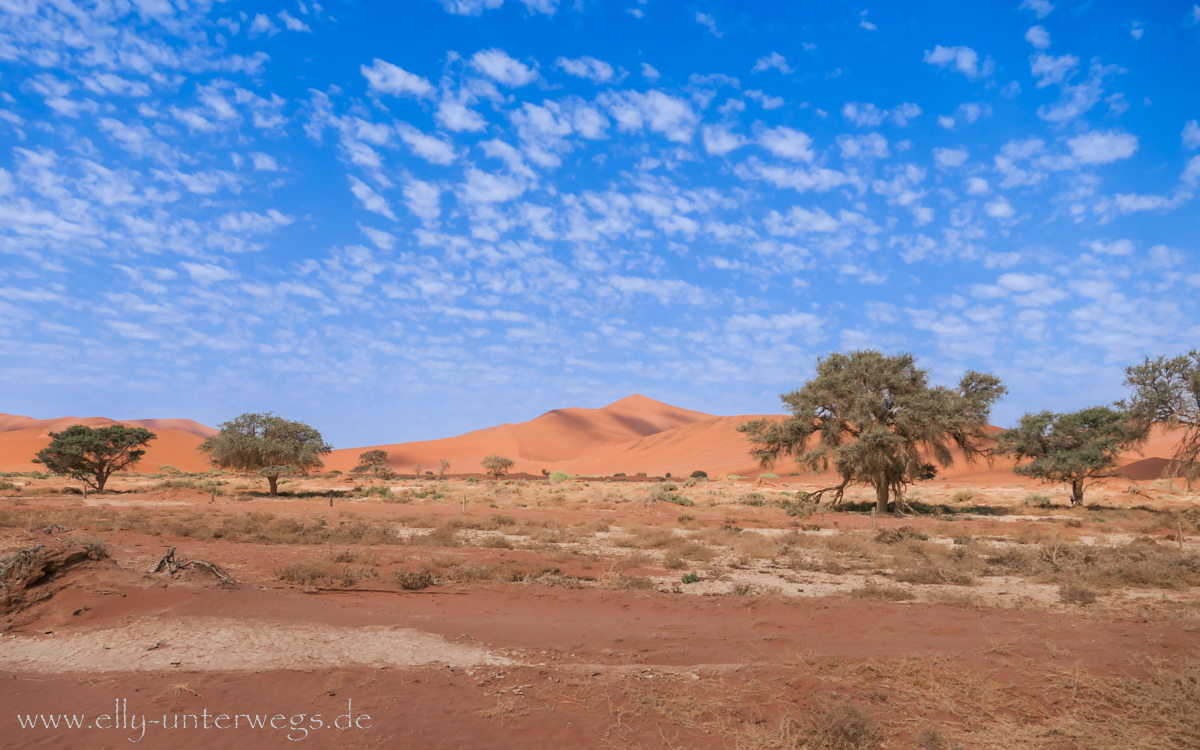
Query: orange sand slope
{"type": "Point", "coordinates": [635, 434]}
{"type": "Point", "coordinates": [558, 439]}
{"type": "Point", "coordinates": [22, 437]}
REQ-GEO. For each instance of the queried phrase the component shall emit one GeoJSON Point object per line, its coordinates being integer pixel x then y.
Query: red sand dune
{"type": "Point", "coordinates": [556, 440]}
{"type": "Point", "coordinates": [176, 445]}
{"type": "Point", "coordinates": [635, 434]}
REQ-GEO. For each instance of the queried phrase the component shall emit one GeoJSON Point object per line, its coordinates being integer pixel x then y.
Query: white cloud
{"type": "Point", "coordinates": [718, 140]}
{"type": "Point", "coordinates": [207, 273]}
{"type": "Point", "coordinates": [1000, 209]}
{"type": "Point", "coordinates": [963, 59]}
{"type": "Point", "coordinates": [1191, 134]}
{"type": "Point", "coordinates": [787, 143]}
{"type": "Point", "coordinates": [709, 23]}
{"type": "Point", "coordinates": [868, 115]}
{"type": "Point", "coordinates": [249, 221]}
{"type": "Point", "coordinates": [766, 101]}
{"type": "Point", "coordinates": [869, 146]}
{"type": "Point", "coordinates": [459, 118]}
{"type": "Point", "coordinates": [262, 25]}
{"type": "Point", "coordinates": [383, 240]}
{"type": "Point", "coordinates": [905, 112]}
{"type": "Point", "coordinates": [1040, 8]}
{"type": "Point", "coordinates": [264, 162]}
{"type": "Point", "coordinates": [669, 115]}
{"type": "Point", "coordinates": [292, 23]}
{"type": "Point", "coordinates": [596, 71]}
{"type": "Point", "coordinates": [1116, 247]}
{"type": "Point", "coordinates": [864, 23]}
{"type": "Point", "coordinates": [497, 65]}
{"type": "Point", "coordinates": [863, 115]}
{"type": "Point", "coordinates": [386, 78]}
{"type": "Point", "coordinates": [370, 200]}
{"type": "Point", "coordinates": [773, 60]}
{"type": "Point", "coordinates": [1099, 147]}
{"type": "Point", "coordinates": [950, 157]}
{"type": "Point", "coordinates": [1038, 37]}
{"type": "Point", "coordinates": [424, 199]}
{"type": "Point", "coordinates": [977, 186]}
{"type": "Point", "coordinates": [484, 187]}
{"type": "Point", "coordinates": [1049, 69]}
{"type": "Point", "coordinates": [1076, 99]}
{"type": "Point", "coordinates": [430, 148]}
{"type": "Point", "coordinates": [476, 7]}
{"type": "Point", "coordinates": [800, 221]}
{"type": "Point", "coordinates": [650, 73]}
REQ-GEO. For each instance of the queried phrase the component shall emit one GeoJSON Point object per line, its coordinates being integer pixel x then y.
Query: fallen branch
{"type": "Point", "coordinates": [172, 565]}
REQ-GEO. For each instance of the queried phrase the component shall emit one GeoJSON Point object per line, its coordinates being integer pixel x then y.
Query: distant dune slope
{"type": "Point", "coordinates": [555, 439]}
{"type": "Point", "coordinates": [176, 445]}
{"type": "Point", "coordinates": [635, 434]}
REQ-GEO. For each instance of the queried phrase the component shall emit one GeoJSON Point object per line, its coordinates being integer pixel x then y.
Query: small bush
{"type": "Point", "coordinates": [558, 476]}
{"type": "Point", "coordinates": [96, 547]}
{"type": "Point", "coordinates": [1072, 593]}
{"type": "Point", "coordinates": [698, 474]}
{"type": "Point", "coordinates": [963, 496]}
{"type": "Point", "coordinates": [1039, 500]}
{"type": "Point", "coordinates": [881, 593]}
{"type": "Point", "coordinates": [630, 582]}
{"type": "Point", "coordinates": [756, 499]}
{"type": "Point", "coordinates": [835, 724]}
{"type": "Point", "coordinates": [690, 578]}
{"type": "Point", "coordinates": [380, 491]}
{"type": "Point", "coordinates": [963, 540]}
{"type": "Point", "coordinates": [7, 485]}
{"type": "Point", "coordinates": [413, 580]}
{"type": "Point", "coordinates": [742, 589]}
{"type": "Point", "coordinates": [768, 475]}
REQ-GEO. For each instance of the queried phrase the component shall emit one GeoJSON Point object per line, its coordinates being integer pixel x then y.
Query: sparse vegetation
{"type": "Point", "coordinates": [93, 454]}
{"type": "Point", "coordinates": [1072, 448]}
{"type": "Point", "coordinates": [267, 445]}
{"type": "Point", "coordinates": [876, 416]}
{"type": "Point", "coordinates": [497, 466]}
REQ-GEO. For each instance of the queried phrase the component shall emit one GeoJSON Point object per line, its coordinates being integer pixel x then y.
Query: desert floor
{"type": "Point", "coordinates": [598, 613]}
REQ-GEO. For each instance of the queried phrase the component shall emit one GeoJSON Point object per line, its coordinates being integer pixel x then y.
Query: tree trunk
{"type": "Point", "coordinates": [273, 480]}
{"type": "Point", "coordinates": [1077, 492]}
{"type": "Point", "coordinates": [101, 480]}
{"type": "Point", "coordinates": [881, 496]}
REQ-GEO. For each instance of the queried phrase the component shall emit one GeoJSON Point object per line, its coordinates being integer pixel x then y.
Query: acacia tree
{"type": "Point", "coordinates": [374, 461]}
{"type": "Point", "coordinates": [496, 466]}
{"type": "Point", "coordinates": [878, 422]}
{"type": "Point", "coordinates": [443, 467]}
{"type": "Point", "coordinates": [268, 445]}
{"type": "Point", "coordinates": [1073, 448]}
{"type": "Point", "coordinates": [92, 454]}
{"type": "Point", "coordinates": [1167, 391]}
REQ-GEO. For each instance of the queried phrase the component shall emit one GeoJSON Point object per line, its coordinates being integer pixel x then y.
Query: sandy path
{"type": "Point", "coordinates": [223, 645]}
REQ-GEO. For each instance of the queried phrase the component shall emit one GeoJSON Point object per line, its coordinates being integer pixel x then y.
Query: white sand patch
{"type": "Point", "coordinates": [220, 645]}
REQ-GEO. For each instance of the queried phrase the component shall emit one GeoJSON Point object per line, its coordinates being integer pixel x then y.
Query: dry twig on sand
{"type": "Point", "coordinates": [171, 565]}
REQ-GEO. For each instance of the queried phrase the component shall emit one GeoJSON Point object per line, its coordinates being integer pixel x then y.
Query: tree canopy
{"type": "Point", "coordinates": [268, 445]}
{"type": "Point", "coordinates": [496, 466]}
{"type": "Point", "coordinates": [1073, 448]}
{"type": "Point", "coordinates": [92, 454]}
{"type": "Point", "coordinates": [878, 422]}
{"type": "Point", "coordinates": [1166, 390]}
{"type": "Point", "coordinates": [374, 461]}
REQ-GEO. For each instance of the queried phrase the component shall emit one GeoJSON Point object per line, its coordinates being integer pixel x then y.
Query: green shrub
{"type": "Point", "coordinates": [768, 475]}
{"type": "Point", "coordinates": [1039, 500]}
{"type": "Point", "coordinates": [559, 476]}
{"type": "Point", "coordinates": [691, 578]}
{"type": "Point", "coordinates": [471, 480]}
{"type": "Point", "coordinates": [697, 474]}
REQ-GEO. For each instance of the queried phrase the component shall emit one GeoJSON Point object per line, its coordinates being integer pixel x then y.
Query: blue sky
{"type": "Point", "coordinates": [405, 220]}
